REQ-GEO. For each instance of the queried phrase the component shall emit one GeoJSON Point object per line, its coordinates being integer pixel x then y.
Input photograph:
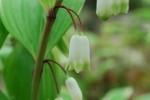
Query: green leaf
{"type": "Point", "coordinates": [142, 97]}
{"type": "Point", "coordinates": [65, 95]}
{"type": "Point", "coordinates": [119, 94]}
{"type": "Point", "coordinates": [3, 34]}
{"type": "Point", "coordinates": [63, 45]}
{"type": "Point", "coordinates": [24, 20]}
{"type": "Point", "coordinates": [18, 74]}
{"type": "Point", "coordinates": [2, 96]}
{"type": "Point", "coordinates": [4, 53]}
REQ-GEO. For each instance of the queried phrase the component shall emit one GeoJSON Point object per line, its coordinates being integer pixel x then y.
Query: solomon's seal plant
{"type": "Point", "coordinates": [79, 49]}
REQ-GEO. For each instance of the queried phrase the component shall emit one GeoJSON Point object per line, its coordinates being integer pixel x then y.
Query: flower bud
{"type": "Point", "coordinates": [79, 53]}
{"type": "Point", "coordinates": [104, 10]}
{"type": "Point", "coordinates": [48, 4]}
{"type": "Point", "coordinates": [73, 89]}
{"type": "Point", "coordinates": [59, 98]}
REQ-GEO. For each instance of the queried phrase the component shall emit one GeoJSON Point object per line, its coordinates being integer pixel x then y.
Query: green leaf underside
{"type": "Point", "coordinates": [18, 74]}
{"type": "Point", "coordinates": [24, 19]}
{"type": "Point", "coordinates": [3, 34]}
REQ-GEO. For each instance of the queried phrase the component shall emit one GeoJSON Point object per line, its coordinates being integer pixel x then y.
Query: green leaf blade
{"type": "Point", "coordinates": [18, 74]}
{"type": "Point", "coordinates": [24, 19]}
{"type": "Point", "coordinates": [3, 34]}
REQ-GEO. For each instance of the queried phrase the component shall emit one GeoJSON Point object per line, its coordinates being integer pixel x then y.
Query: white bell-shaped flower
{"type": "Point", "coordinates": [73, 89]}
{"type": "Point", "coordinates": [104, 10]}
{"type": "Point", "coordinates": [79, 53]}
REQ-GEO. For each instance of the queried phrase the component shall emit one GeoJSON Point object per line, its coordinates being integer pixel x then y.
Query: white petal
{"type": "Point", "coordinates": [85, 49]}
{"type": "Point", "coordinates": [74, 50]}
{"type": "Point", "coordinates": [73, 89]}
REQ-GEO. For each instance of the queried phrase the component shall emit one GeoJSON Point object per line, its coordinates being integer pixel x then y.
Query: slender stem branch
{"type": "Point", "coordinates": [47, 60]}
{"type": "Point", "coordinates": [51, 68]}
{"type": "Point", "coordinates": [73, 20]}
{"type": "Point", "coordinates": [41, 53]}
{"type": "Point", "coordinates": [77, 17]}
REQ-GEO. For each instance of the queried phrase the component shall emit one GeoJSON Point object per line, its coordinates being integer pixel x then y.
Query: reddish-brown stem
{"type": "Point", "coordinates": [77, 17]}
{"type": "Point", "coordinates": [51, 68]}
{"type": "Point", "coordinates": [61, 6]}
{"type": "Point", "coordinates": [50, 60]}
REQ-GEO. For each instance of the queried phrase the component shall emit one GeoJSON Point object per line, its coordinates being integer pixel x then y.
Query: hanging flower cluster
{"type": "Point", "coordinates": [107, 8]}
{"type": "Point", "coordinates": [79, 53]}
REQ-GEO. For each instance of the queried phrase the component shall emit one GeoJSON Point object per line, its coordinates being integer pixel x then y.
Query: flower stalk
{"type": "Point", "coordinates": [41, 53]}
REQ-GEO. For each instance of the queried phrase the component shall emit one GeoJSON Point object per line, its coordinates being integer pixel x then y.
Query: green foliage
{"type": "Point", "coordinates": [65, 94]}
{"type": "Point", "coordinates": [18, 74]}
{"type": "Point", "coordinates": [3, 33]}
{"type": "Point", "coordinates": [2, 96]}
{"type": "Point", "coordinates": [24, 19]}
{"type": "Point", "coordinates": [142, 97]}
{"type": "Point", "coordinates": [119, 94]}
{"type": "Point", "coordinates": [63, 45]}
{"type": "Point", "coordinates": [142, 13]}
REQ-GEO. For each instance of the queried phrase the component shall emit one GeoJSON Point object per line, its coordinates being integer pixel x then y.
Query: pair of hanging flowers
{"type": "Point", "coordinates": [107, 8]}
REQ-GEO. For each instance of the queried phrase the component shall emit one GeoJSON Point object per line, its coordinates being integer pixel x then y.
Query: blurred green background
{"type": "Point", "coordinates": [120, 56]}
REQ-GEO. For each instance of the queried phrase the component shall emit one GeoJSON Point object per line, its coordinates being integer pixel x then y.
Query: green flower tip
{"type": "Point", "coordinates": [48, 4]}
